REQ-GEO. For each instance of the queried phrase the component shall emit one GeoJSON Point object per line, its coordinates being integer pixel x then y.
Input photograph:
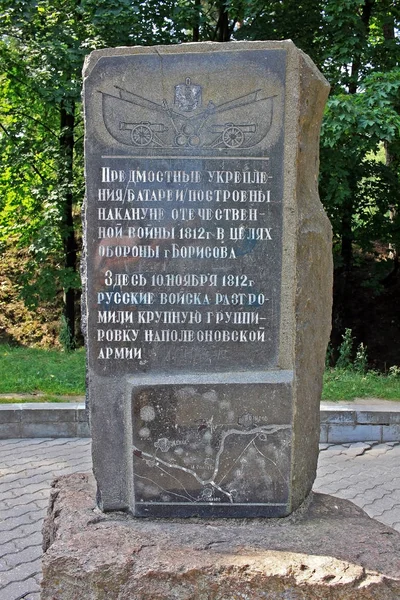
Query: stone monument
{"type": "Point", "coordinates": [208, 297]}
{"type": "Point", "coordinates": [208, 277]}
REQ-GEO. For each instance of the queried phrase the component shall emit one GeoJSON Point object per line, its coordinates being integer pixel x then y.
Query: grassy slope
{"type": "Point", "coordinates": [32, 370]}
{"type": "Point", "coordinates": [55, 373]}
{"type": "Point", "coordinates": [342, 384]}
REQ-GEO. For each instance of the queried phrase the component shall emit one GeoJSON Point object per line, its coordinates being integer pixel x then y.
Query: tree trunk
{"type": "Point", "coordinates": [356, 64]}
{"type": "Point", "coordinates": [347, 237]}
{"type": "Point", "coordinates": [196, 26]}
{"type": "Point", "coordinates": [223, 29]}
{"type": "Point", "coordinates": [67, 123]}
{"type": "Point", "coordinates": [341, 314]}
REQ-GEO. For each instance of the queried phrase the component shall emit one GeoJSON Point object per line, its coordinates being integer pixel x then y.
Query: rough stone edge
{"type": "Point", "coordinates": [89, 554]}
{"type": "Point", "coordinates": [314, 280]}
{"type": "Point", "coordinates": [194, 47]}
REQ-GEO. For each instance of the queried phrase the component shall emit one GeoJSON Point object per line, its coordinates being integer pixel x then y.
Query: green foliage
{"type": "Point", "coordinates": [356, 45]}
{"type": "Point", "coordinates": [354, 127]}
{"type": "Point", "coordinates": [66, 340]}
{"type": "Point", "coordinates": [345, 351]}
{"type": "Point", "coordinates": [40, 77]}
{"type": "Point", "coordinates": [42, 48]}
{"type": "Point", "coordinates": [302, 22]}
{"type": "Point", "coordinates": [345, 360]}
{"type": "Point", "coordinates": [329, 356]}
{"type": "Point", "coordinates": [19, 323]}
{"type": "Point", "coordinates": [361, 359]}
{"type": "Point", "coordinates": [394, 372]}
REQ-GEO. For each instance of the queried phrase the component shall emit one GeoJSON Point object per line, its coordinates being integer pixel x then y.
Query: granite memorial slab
{"type": "Point", "coordinates": [207, 278]}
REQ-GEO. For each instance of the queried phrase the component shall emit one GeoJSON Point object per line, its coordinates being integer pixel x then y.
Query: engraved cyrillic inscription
{"type": "Point", "coordinates": [157, 227]}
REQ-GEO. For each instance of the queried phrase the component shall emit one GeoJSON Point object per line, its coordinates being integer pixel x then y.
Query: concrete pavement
{"type": "Point", "coordinates": [27, 467]}
{"type": "Point", "coordinates": [366, 473]}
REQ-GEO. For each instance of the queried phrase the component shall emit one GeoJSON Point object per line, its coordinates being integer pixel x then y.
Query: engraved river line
{"type": "Point", "coordinates": [212, 484]}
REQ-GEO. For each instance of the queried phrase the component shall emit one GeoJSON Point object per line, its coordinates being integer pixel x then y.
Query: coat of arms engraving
{"type": "Point", "coordinates": [187, 96]}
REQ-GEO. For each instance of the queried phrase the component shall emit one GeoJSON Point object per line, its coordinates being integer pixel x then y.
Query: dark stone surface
{"type": "Point", "coordinates": [329, 549]}
{"type": "Point", "coordinates": [185, 313]}
{"type": "Point", "coordinates": [208, 277]}
{"type": "Point", "coordinates": [209, 449]}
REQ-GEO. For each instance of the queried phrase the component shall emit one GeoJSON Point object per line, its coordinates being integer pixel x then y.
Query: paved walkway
{"type": "Point", "coordinates": [366, 473]}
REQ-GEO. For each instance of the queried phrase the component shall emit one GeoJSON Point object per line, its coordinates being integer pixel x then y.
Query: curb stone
{"type": "Point", "coordinates": [360, 421]}
{"type": "Point", "coordinates": [44, 420]}
{"type": "Point", "coordinates": [345, 422]}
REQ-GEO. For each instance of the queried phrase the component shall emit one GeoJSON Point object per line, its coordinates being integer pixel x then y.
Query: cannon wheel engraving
{"type": "Point", "coordinates": [194, 141]}
{"type": "Point", "coordinates": [232, 136]}
{"type": "Point", "coordinates": [181, 139]}
{"type": "Point", "coordinates": [141, 135]}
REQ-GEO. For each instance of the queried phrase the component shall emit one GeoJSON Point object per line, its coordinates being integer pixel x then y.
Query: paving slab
{"type": "Point", "coordinates": [367, 473]}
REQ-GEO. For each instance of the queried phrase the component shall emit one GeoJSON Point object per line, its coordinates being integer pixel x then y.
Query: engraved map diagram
{"type": "Point", "coordinates": [194, 445]}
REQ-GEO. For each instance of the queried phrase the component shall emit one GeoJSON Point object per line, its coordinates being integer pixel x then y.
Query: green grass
{"type": "Point", "coordinates": [14, 399]}
{"type": "Point", "coordinates": [345, 384]}
{"type": "Point", "coordinates": [50, 372]}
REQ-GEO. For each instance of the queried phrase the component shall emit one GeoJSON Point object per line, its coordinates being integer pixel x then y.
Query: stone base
{"type": "Point", "coordinates": [327, 550]}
